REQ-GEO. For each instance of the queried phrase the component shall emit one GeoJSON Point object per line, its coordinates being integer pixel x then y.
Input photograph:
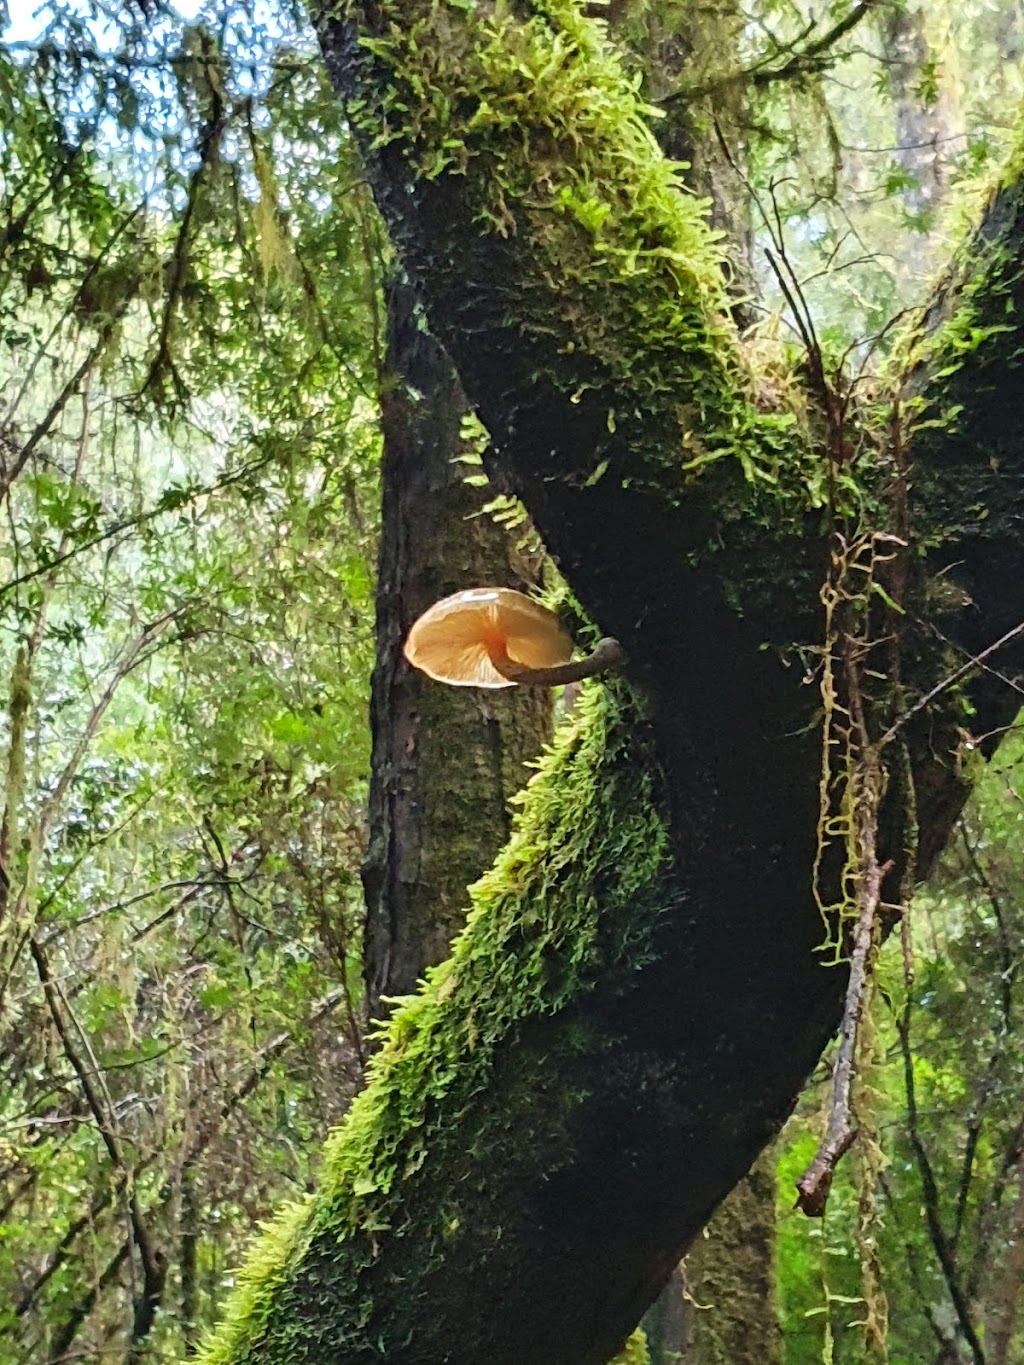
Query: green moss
{"type": "Point", "coordinates": [458, 1089]}
{"type": "Point", "coordinates": [543, 139]}
{"type": "Point", "coordinates": [964, 361]}
{"type": "Point", "coordinates": [635, 1351]}
{"type": "Point", "coordinates": [731, 1273]}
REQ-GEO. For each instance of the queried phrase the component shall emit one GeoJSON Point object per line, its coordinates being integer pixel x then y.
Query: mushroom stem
{"type": "Point", "coordinates": [606, 657]}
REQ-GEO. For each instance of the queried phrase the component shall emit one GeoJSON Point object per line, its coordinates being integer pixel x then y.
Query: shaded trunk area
{"type": "Point", "coordinates": [445, 760]}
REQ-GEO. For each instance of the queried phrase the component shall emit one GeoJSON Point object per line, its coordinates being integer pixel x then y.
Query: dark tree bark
{"type": "Point", "coordinates": [709, 135]}
{"type": "Point", "coordinates": [709, 131]}
{"type": "Point", "coordinates": [445, 760]}
{"type": "Point", "coordinates": [638, 996]}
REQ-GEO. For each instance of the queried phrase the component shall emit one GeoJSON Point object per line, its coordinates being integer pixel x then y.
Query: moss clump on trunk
{"type": "Point", "coordinates": [515, 148]}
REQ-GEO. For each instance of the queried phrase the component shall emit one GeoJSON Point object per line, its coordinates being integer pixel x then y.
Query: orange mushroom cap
{"type": "Point", "coordinates": [455, 639]}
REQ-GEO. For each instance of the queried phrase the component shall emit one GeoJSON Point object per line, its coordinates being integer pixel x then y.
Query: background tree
{"type": "Point", "coordinates": [446, 761]}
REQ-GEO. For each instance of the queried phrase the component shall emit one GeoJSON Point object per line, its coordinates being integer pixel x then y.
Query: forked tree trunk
{"type": "Point", "coordinates": [637, 999]}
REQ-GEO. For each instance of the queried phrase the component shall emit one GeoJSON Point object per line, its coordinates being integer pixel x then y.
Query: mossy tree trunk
{"type": "Point", "coordinates": [731, 1271]}
{"type": "Point", "coordinates": [446, 761]}
{"type": "Point", "coordinates": [681, 49]}
{"type": "Point", "coordinates": [718, 1308]}
{"type": "Point", "coordinates": [637, 997]}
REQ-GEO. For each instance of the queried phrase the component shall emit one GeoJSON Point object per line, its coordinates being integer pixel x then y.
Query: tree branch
{"type": "Point", "coordinates": [944, 1251]}
{"type": "Point", "coordinates": [809, 60]}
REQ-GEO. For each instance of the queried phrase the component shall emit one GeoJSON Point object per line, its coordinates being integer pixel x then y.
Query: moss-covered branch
{"type": "Point", "coordinates": [637, 998]}
{"type": "Point", "coordinates": [962, 420]}
{"type": "Point", "coordinates": [576, 284]}
{"type": "Point", "coordinates": [493, 1067]}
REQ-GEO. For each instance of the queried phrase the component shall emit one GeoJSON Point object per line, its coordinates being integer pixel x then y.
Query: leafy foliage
{"type": "Point", "coordinates": [188, 476]}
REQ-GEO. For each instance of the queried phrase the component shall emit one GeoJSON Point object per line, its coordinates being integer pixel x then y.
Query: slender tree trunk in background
{"type": "Point", "coordinates": [731, 1271]}
{"type": "Point", "coordinates": [1002, 1301]}
{"type": "Point", "coordinates": [446, 760]}
{"type": "Point", "coordinates": [188, 1261]}
{"type": "Point", "coordinates": [925, 84]}
{"type": "Point", "coordinates": [719, 1307]}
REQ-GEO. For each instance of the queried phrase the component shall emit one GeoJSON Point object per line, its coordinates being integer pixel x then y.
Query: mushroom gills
{"type": "Point", "coordinates": [497, 637]}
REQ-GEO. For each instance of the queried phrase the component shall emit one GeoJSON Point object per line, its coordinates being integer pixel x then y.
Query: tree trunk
{"type": "Point", "coordinates": [719, 1308]}
{"type": "Point", "coordinates": [926, 102]}
{"type": "Point", "coordinates": [708, 134]}
{"type": "Point", "coordinates": [731, 1271]}
{"type": "Point", "coordinates": [445, 760]}
{"type": "Point", "coordinates": [1001, 1302]}
{"type": "Point", "coordinates": [638, 995]}
{"type": "Point", "coordinates": [190, 1226]}
{"type": "Point", "coordinates": [709, 131]}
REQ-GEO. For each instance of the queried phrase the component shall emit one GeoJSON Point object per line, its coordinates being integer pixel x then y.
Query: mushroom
{"type": "Point", "coordinates": [497, 637]}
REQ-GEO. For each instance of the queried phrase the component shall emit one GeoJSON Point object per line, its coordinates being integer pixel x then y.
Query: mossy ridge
{"type": "Point", "coordinates": [635, 1351]}
{"type": "Point", "coordinates": [961, 401]}
{"type": "Point", "coordinates": [620, 303]}
{"type": "Point", "coordinates": [574, 899]}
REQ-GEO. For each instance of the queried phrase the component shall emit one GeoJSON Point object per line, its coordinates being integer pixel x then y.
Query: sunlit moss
{"type": "Point", "coordinates": [620, 304]}
{"type": "Point", "coordinates": [635, 1351]}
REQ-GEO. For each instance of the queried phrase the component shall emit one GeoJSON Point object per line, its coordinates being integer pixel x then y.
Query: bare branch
{"type": "Point", "coordinates": [805, 61]}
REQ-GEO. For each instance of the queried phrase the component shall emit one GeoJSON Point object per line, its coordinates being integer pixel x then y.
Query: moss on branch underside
{"type": "Point", "coordinates": [962, 392]}
{"type": "Point", "coordinates": [482, 1073]}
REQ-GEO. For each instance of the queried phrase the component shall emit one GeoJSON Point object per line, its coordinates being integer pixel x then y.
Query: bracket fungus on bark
{"type": "Point", "coordinates": [497, 637]}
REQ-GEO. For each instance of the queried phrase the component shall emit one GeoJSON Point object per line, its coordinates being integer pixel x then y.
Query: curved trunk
{"type": "Point", "coordinates": [637, 997]}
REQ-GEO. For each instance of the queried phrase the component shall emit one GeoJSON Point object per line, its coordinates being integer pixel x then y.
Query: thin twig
{"type": "Point", "coordinates": [937, 1233]}
{"type": "Point", "coordinates": [807, 61]}
{"type": "Point", "coordinates": [975, 661]}
{"type": "Point", "coordinates": [816, 1182]}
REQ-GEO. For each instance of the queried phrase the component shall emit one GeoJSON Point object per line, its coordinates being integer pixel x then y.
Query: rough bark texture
{"type": "Point", "coordinates": [708, 132]}
{"type": "Point", "coordinates": [731, 1269]}
{"type": "Point", "coordinates": [637, 997]}
{"type": "Point", "coordinates": [718, 1308]}
{"type": "Point", "coordinates": [709, 135]}
{"type": "Point", "coordinates": [446, 760]}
